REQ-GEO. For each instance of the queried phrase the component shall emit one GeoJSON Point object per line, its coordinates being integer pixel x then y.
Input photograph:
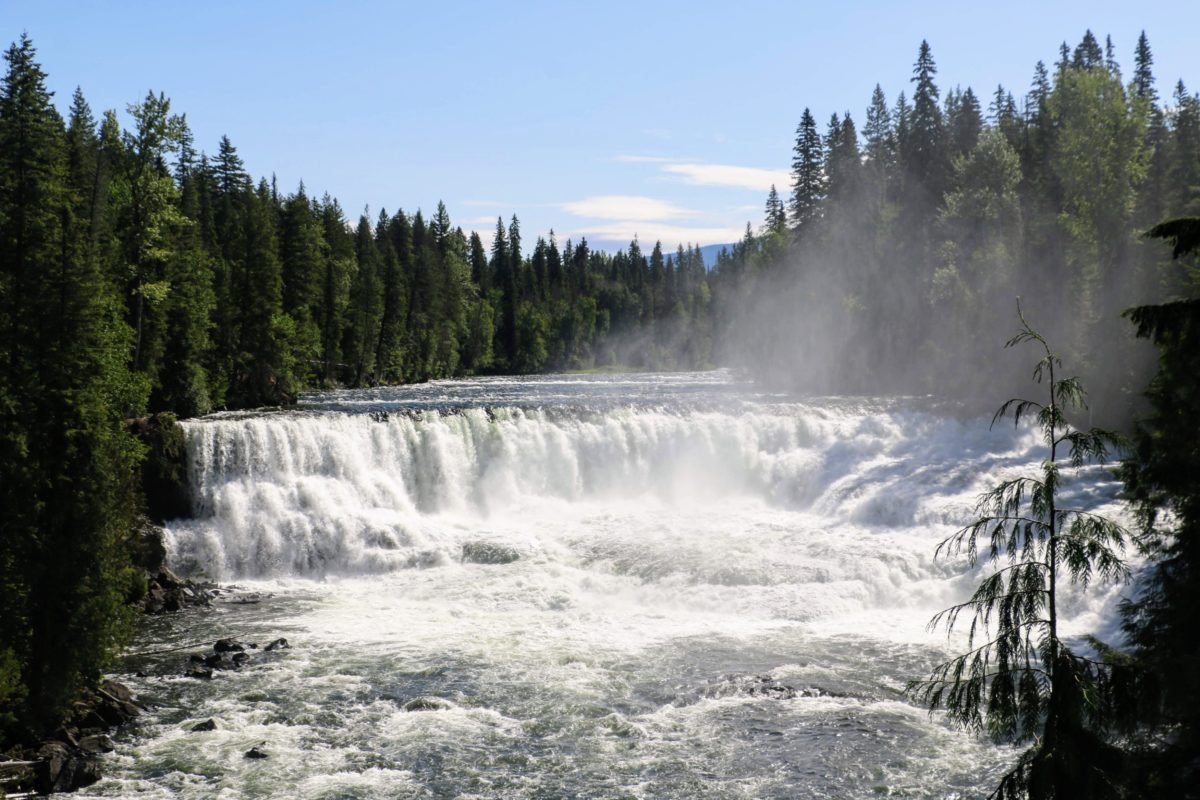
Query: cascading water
{"type": "Point", "coordinates": [638, 586]}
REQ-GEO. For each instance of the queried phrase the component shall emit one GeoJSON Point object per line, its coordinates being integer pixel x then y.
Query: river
{"type": "Point", "coordinates": [628, 586]}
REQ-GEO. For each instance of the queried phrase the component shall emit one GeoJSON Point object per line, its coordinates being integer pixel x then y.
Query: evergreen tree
{"type": "Point", "coordinates": [66, 464]}
{"type": "Point", "coordinates": [776, 215]}
{"type": "Point", "coordinates": [1022, 682]}
{"type": "Point", "coordinates": [1088, 54]}
{"type": "Point", "coordinates": [1162, 476]}
{"type": "Point", "coordinates": [1143, 76]}
{"type": "Point", "coordinates": [923, 153]}
{"type": "Point", "coordinates": [808, 180]}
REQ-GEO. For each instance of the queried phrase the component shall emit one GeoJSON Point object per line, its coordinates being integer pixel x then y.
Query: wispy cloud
{"type": "Point", "coordinates": [626, 207]}
{"type": "Point", "coordinates": [728, 175]}
{"type": "Point", "coordinates": [624, 231]}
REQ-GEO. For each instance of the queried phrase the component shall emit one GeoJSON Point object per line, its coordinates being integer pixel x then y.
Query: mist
{"type": "Point", "coordinates": [901, 258]}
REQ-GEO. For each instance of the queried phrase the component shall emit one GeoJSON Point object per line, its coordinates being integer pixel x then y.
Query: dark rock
{"type": "Point", "coordinates": [207, 725]}
{"type": "Point", "coordinates": [168, 579]}
{"type": "Point", "coordinates": [426, 704]}
{"type": "Point", "coordinates": [240, 658]}
{"type": "Point", "coordinates": [197, 658]}
{"type": "Point", "coordinates": [278, 644]}
{"type": "Point", "coordinates": [198, 672]}
{"type": "Point", "coordinates": [164, 469]}
{"type": "Point", "coordinates": [485, 553]}
{"type": "Point", "coordinates": [229, 645]}
{"type": "Point", "coordinates": [68, 736]}
{"type": "Point", "coordinates": [256, 752]}
{"type": "Point", "coordinates": [149, 549]}
{"type": "Point", "coordinates": [96, 744]}
{"type": "Point", "coordinates": [63, 769]}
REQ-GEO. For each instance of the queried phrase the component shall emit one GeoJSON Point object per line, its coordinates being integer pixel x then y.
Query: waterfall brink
{"type": "Point", "coordinates": [314, 493]}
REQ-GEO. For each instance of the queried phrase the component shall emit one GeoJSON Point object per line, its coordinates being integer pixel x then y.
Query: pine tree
{"type": "Point", "coordinates": [66, 464]}
{"type": "Point", "coordinates": [924, 153]}
{"type": "Point", "coordinates": [776, 215]}
{"type": "Point", "coordinates": [1143, 75]}
{"type": "Point", "coordinates": [808, 180]}
{"type": "Point", "coordinates": [880, 140]}
{"type": "Point", "coordinates": [1088, 54]}
{"type": "Point", "coordinates": [968, 122]}
{"type": "Point", "coordinates": [1023, 683]}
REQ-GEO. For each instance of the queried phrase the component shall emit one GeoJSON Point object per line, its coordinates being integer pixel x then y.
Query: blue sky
{"type": "Point", "coordinates": [663, 119]}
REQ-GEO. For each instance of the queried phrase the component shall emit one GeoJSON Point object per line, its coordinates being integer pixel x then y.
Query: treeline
{"type": "Point", "coordinates": [238, 296]}
{"type": "Point", "coordinates": [894, 263]}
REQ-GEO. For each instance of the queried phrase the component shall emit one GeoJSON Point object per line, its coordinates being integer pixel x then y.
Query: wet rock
{"type": "Point", "coordinates": [207, 725]}
{"type": "Point", "coordinates": [167, 592]}
{"type": "Point", "coordinates": [96, 744]}
{"type": "Point", "coordinates": [229, 645]}
{"type": "Point", "coordinates": [256, 752]}
{"type": "Point", "coordinates": [764, 686]}
{"type": "Point", "coordinates": [168, 579]}
{"type": "Point", "coordinates": [240, 658]}
{"type": "Point", "coordinates": [278, 644]}
{"type": "Point", "coordinates": [426, 704]}
{"type": "Point", "coordinates": [199, 672]}
{"type": "Point", "coordinates": [486, 553]}
{"type": "Point", "coordinates": [62, 768]}
{"type": "Point", "coordinates": [68, 735]}
{"type": "Point", "coordinates": [753, 686]}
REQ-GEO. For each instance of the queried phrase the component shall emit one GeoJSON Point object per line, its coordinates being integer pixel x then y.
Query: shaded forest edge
{"type": "Point", "coordinates": [140, 279]}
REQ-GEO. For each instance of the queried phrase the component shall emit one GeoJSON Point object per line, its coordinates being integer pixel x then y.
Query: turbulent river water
{"type": "Point", "coordinates": [591, 587]}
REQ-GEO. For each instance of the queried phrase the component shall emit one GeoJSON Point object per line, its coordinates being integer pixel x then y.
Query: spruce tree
{"type": "Point", "coordinates": [923, 153]}
{"type": "Point", "coordinates": [1143, 75]}
{"type": "Point", "coordinates": [808, 180]}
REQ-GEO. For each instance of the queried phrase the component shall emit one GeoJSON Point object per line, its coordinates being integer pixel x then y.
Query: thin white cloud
{"type": "Point", "coordinates": [728, 175]}
{"type": "Point", "coordinates": [647, 233]}
{"type": "Point", "coordinates": [626, 207]}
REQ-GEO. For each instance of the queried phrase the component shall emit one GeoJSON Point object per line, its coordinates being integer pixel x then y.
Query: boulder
{"type": "Point", "coordinates": [257, 752]}
{"type": "Point", "coordinates": [487, 553]}
{"type": "Point", "coordinates": [198, 671]}
{"type": "Point", "coordinates": [278, 644]}
{"type": "Point", "coordinates": [207, 725]}
{"type": "Point", "coordinates": [63, 769]}
{"type": "Point", "coordinates": [229, 645]}
{"type": "Point", "coordinates": [426, 704]}
{"type": "Point", "coordinates": [96, 744]}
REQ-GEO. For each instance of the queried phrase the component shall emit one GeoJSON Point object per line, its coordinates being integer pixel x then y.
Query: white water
{"type": "Point", "coordinates": [674, 535]}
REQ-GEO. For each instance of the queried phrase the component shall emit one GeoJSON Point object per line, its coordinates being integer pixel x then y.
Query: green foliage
{"type": "Point", "coordinates": [1162, 478]}
{"type": "Point", "coordinates": [67, 466]}
{"type": "Point", "coordinates": [1018, 680]}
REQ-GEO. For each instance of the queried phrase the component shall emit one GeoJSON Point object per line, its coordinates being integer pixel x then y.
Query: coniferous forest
{"type": "Point", "coordinates": [140, 273]}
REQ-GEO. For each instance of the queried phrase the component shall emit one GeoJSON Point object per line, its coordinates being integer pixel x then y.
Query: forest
{"type": "Point", "coordinates": [139, 275]}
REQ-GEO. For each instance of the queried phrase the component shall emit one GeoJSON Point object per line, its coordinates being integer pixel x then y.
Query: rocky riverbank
{"type": "Point", "coordinates": [69, 759]}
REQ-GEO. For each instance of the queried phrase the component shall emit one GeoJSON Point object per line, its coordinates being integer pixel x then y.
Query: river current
{"type": "Point", "coordinates": [630, 586]}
